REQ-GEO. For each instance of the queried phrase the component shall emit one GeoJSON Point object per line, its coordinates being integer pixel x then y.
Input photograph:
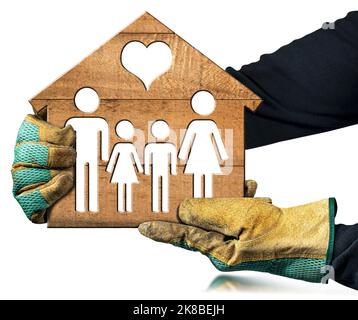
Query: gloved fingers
{"type": "Point", "coordinates": [250, 191]}
{"type": "Point", "coordinates": [40, 154]}
{"type": "Point", "coordinates": [25, 178]}
{"type": "Point", "coordinates": [33, 129]}
{"type": "Point", "coordinates": [187, 237]}
{"type": "Point", "coordinates": [250, 188]}
{"type": "Point", "coordinates": [58, 186]}
{"type": "Point", "coordinates": [39, 217]}
{"type": "Point", "coordinates": [41, 148]}
{"type": "Point", "coordinates": [40, 198]}
{"type": "Point", "coordinates": [232, 217]}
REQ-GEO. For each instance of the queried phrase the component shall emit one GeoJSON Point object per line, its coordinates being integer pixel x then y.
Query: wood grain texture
{"type": "Point", "coordinates": [147, 24]}
{"type": "Point", "coordinates": [61, 214]}
{"type": "Point", "coordinates": [123, 96]}
{"type": "Point", "coordinates": [228, 116]}
{"type": "Point", "coordinates": [190, 71]}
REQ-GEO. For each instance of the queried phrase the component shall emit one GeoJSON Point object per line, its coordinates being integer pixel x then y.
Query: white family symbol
{"type": "Point", "coordinates": [160, 155]}
{"type": "Point", "coordinates": [87, 130]}
{"type": "Point", "coordinates": [122, 158]}
{"type": "Point", "coordinates": [200, 148]}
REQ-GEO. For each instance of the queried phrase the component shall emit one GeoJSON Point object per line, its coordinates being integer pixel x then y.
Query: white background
{"type": "Point", "coordinates": [40, 40]}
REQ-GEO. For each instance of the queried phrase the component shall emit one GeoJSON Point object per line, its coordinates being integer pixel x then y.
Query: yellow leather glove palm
{"type": "Point", "coordinates": [252, 234]}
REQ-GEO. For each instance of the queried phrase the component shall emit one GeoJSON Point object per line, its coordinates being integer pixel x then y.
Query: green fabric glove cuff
{"type": "Point", "coordinates": [312, 270]}
{"type": "Point", "coordinates": [332, 216]}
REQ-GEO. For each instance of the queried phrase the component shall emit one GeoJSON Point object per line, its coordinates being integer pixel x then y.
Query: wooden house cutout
{"type": "Point", "coordinates": [123, 96]}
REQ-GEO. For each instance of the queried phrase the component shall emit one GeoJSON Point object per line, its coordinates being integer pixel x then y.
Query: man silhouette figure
{"type": "Point", "coordinates": [87, 130]}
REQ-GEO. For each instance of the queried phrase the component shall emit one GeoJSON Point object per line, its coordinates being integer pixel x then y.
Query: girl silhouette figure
{"type": "Point", "coordinates": [123, 158]}
{"type": "Point", "coordinates": [198, 146]}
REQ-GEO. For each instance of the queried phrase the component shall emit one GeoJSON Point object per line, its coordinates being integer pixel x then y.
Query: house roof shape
{"type": "Point", "coordinates": [190, 72]}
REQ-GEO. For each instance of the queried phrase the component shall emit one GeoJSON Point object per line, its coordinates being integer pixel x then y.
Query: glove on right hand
{"type": "Point", "coordinates": [252, 234]}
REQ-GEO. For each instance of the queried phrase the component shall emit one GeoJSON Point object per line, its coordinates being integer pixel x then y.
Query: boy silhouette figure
{"type": "Point", "coordinates": [160, 155]}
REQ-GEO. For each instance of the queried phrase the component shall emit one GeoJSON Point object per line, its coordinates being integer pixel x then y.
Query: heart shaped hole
{"type": "Point", "coordinates": [146, 62]}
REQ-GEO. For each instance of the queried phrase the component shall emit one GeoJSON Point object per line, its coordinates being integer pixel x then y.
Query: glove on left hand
{"type": "Point", "coordinates": [42, 169]}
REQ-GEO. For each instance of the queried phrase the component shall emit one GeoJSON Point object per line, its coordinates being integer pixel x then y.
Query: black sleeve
{"type": "Point", "coordinates": [309, 86]}
{"type": "Point", "coordinates": [345, 255]}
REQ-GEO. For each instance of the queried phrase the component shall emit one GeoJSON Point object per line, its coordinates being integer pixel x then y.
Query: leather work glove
{"type": "Point", "coordinates": [252, 234]}
{"type": "Point", "coordinates": [42, 170]}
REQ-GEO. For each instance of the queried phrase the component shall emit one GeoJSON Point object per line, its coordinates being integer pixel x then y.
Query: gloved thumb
{"type": "Point", "coordinates": [188, 237]}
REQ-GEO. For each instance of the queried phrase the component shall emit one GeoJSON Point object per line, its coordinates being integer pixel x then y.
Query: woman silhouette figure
{"type": "Point", "coordinates": [123, 158]}
{"type": "Point", "coordinates": [198, 146]}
